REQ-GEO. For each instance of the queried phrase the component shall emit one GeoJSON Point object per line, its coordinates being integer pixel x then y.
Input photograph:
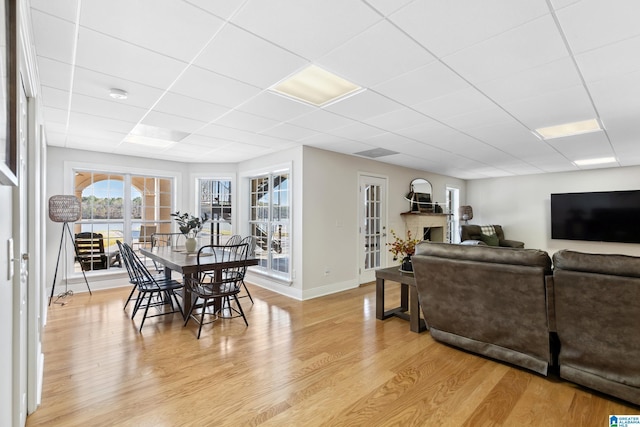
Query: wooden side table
{"type": "Point", "coordinates": [408, 298]}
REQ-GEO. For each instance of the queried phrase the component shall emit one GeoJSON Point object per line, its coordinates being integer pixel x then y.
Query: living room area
{"type": "Point", "coordinates": [154, 98]}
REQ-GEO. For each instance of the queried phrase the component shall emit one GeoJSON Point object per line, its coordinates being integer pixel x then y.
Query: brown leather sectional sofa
{"type": "Point", "coordinates": [511, 305]}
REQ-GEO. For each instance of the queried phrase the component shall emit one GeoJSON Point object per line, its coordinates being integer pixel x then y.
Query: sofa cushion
{"type": "Point", "coordinates": [490, 239]}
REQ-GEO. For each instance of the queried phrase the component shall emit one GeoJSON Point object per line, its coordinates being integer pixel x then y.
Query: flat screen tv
{"type": "Point", "coordinates": [605, 216]}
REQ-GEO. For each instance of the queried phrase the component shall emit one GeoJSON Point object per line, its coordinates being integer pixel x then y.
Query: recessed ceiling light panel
{"type": "Point", "coordinates": [568, 129]}
{"type": "Point", "coordinates": [316, 86]}
{"type": "Point", "coordinates": [590, 162]}
{"type": "Point", "coordinates": [154, 136]}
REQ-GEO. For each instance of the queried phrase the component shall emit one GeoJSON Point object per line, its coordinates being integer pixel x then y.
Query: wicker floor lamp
{"type": "Point", "coordinates": [65, 209]}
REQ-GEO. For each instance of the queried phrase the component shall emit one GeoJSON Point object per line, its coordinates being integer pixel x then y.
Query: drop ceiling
{"type": "Point", "coordinates": [451, 87]}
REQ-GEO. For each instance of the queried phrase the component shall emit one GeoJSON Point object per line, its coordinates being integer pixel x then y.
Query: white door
{"type": "Point", "coordinates": [21, 279]}
{"type": "Point", "coordinates": [373, 225]}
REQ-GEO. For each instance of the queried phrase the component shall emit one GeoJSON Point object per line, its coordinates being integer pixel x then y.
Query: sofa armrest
{"type": "Point", "coordinates": [511, 244]}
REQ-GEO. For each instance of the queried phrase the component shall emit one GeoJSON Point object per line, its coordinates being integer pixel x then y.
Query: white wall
{"type": "Point", "coordinates": [522, 205]}
{"type": "Point", "coordinates": [330, 217]}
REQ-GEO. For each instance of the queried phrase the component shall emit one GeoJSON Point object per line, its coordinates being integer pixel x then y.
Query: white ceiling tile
{"type": "Point", "coordinates": [214, 88]}
{"type": "Point", "coordinates": [289, 132]}
{"type": "Point", "coordinates": [241, 120]}
{"type": "Point", "coordinates": [56, 119]}
{"type": "Point", "coordinates": [356, 131]}
{"type": "Point", "coordinates": [398, 119]}
{"type": "Point", "coordinates": [445, 27]}
{"type": "Point", "coordinates": [54, 37]}
{"type": "Point", "coordinates": [589, 24]}
{"type": "Point", "coordinates": [185, 106]}
{"type": "Point", "coordinates": [55, 74]}
{"type": "Point", "coordinates": [306, 27]}
{"type": "Point", "coordinates": [172, 122]}
{"type": "Point", "coordinates": [387, 7]}
{"type": "Point", "coordinates": [559, 4]}
{"type": "Point", "coordinates": [54, 98]}
{"type": "Point", "coordinates": [491, 115]}
{"type": "Point", "coordinates": [377, 54]}
{"type": "Point", "coordinates": [424, 131]}
{"type": "Point", "coordinates": [364, 105]}
{"type": "Point", "coordinates": [337, 144]}
{"type": "Point", "coordinates": [586, 146]}
{"type": "Point", "coordinates": [223, 9]}
{"type": "Point", "coordinates": [83, 123]}
{"type": "Point", "coordinates": [430, 81]}
{"type": "Point", "coordinates": [125, 60]}
{"type": "Point", "coordinates": [535, 43]}
{"type": "Point", "coordinates": [171, 28]}
{"type": "Point", "coordinates": [555, 108]}
{"type": "Point", "coordinates": [390, 141]}
{"type": "Point", "coordinates": [248, 58]}
{"type": "Point", "coordinates": [275, 107]}
{"type": "Point", "coordinates": [454, 104]}
{"type": "Point", "coordinates": [617, 97]}
{"type": "Point", "coordinates": [321, 121]}
{"type": "Point", "coordinates": [206, 142]}
{"type": "Point", "coordinates": [65, 9]}
{"type": "Point", "coordinates": [532, 82]}
{"type": "Point", "coordinates": [611, 60]}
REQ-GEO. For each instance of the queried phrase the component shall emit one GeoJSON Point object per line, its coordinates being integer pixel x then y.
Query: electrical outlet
{"type": "Point", "coordinates": [326, 271]}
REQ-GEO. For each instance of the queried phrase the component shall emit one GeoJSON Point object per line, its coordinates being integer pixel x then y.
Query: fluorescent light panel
{"type": "Point", "coordinates": [154, 136]}
{"type": "Point", "coordinates": [569, 129]}
{"type": "Point", "coordinates": [600, 161]}
{"type": "Point", "coordinates": [315, 86]}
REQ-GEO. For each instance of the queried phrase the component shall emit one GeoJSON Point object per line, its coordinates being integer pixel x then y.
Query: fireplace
{"type": "Point", "coordinates": [430, 226]}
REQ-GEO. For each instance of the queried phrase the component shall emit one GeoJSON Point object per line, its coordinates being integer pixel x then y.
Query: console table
{"type": "Point", "coordinates": [408, 298]}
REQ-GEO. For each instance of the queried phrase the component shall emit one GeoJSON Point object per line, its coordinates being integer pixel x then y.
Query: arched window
{"type": "Point", "coordinates": [124, 207]}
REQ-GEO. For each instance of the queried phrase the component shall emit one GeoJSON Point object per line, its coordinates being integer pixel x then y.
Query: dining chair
{"type": "Point", "coordinates": [152, 291]}
{"type": "Point", "coordinates": [234, 240]}
{"type": "Point", "coordinates": [251, 242]}
{"type": "Point", "coordinates": [146, 231]}
{"type": "Point", "coordinates": [124, 257]}
{"type": "Point", "coordinates": [216, 288]}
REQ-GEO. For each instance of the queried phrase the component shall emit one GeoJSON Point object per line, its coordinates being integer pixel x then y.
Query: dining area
{"type": "Point", "coordinates": [199, 285]}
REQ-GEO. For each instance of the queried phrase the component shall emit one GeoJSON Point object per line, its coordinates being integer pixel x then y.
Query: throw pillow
{"type": "Point", "coordinates": [489, 239]}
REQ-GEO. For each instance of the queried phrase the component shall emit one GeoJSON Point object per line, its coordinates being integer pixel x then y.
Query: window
{"type": "Point", "coordinates": [124, 207]}
{"type": "Point", "coordinates": [270, 223]}
{"type": "Point", "coordinates": [215, 201]}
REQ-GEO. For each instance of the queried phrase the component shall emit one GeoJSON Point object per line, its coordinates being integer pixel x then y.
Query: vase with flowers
{"type": "Point", "coordinates": [190, 226]}
{"type": "Point", "coordinates": [403, 249]}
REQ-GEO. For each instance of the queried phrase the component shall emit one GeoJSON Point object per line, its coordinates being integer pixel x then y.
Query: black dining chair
{"type": "Point", "coordinates": [251, 252]}
{"type": "Point", "coordinates": [132, 277]}
{"type": "Point", "coordinates": [216, 288]}
{"type": "Point", "coordinates": [153, 291]}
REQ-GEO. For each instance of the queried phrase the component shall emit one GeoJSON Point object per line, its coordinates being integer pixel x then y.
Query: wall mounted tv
{"type": "Point", "coordinates": [605, 216]}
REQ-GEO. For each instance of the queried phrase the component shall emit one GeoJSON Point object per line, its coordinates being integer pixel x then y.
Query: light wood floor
{"type": "Point", "coordinates": [325, 361]}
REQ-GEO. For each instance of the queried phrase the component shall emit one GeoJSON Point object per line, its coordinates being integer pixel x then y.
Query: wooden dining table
{"type": "Point", "coordinates": [179, 260]}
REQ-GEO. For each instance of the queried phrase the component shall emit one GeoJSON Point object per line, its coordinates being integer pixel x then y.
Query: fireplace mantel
{"type": "Point", "coordinates": [436, 223]}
